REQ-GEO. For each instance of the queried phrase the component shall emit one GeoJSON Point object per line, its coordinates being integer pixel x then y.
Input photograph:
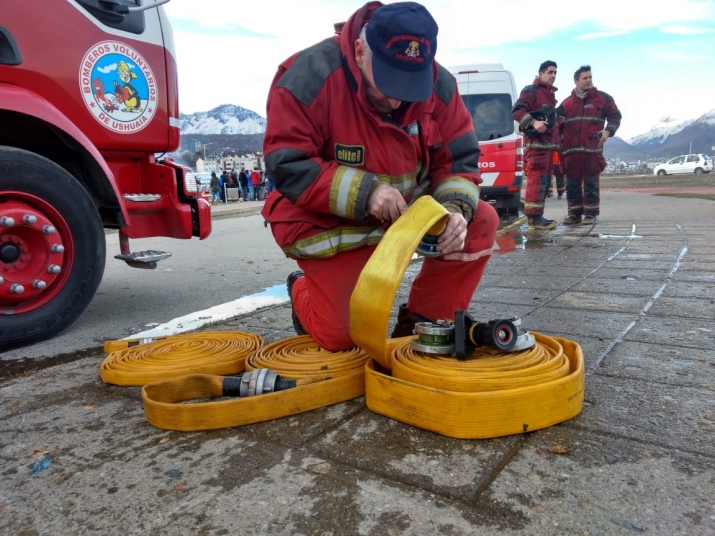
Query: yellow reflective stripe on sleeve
{"type": "Point", "coordinates": [344, 191]}
{"type": "Point", "coordinates": [456, 186]}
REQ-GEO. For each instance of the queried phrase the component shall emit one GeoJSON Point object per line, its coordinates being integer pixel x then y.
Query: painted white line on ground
{"type": "Point", "coordinates": [274, 295]}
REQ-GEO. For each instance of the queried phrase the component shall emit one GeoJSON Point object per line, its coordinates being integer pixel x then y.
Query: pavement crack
{"type": "Point", "coordinates": [494, 473]}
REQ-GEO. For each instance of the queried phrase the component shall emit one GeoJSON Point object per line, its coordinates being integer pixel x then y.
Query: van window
{"type": "Point", "coordinates": [491, 115]}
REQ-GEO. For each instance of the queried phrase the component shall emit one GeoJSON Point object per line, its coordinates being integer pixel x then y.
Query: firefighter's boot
{"type": "Point", "coordinates": [406, 321]}
{"type": "Point", "coordinates": [292, 278]}
{"type": "Point", "coordinates": [539, 222]}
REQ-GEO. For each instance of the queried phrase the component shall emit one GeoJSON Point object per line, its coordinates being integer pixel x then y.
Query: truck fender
{"type": "Point", "coordinates": [23, 101]}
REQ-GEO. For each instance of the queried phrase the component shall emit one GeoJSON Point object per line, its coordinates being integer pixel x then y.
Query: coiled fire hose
{"type": "Point", "coordinates": [478, 398]}
{"type": "Point", "coordinates": [213, 352]}
{"type": "Point", "coordinates": [488, 395]}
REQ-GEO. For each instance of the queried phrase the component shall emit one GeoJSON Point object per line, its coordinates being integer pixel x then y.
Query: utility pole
{"type": "Point", "coordinates": [204, 147]}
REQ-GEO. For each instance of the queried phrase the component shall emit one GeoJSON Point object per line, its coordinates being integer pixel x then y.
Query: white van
{"type": "Point", "coordinates": [489, 93]}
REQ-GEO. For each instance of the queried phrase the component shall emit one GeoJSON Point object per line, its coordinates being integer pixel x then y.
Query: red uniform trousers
{"type": "Point", "coordinates": [583, 172]}
{"type": "Point", "coordinates": [444, 285]}
{"type": "Point", "coordinates": [560, 179]}
{"type": "Point", "coordinates": [539, 164]}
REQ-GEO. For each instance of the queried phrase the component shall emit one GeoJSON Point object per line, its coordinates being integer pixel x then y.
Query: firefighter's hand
{"type": "Point", "coordinates": [540, 126]}
{"type": "Point", "coordinates": [386, 203]}
{"type": "Point", "coordinates": [605, 134]}
{"type": "Point", "coordinates": [455, 232]}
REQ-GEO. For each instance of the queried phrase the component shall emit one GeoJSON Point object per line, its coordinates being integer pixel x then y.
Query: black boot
{"type": "Point", "coordinates": [292, 278]}
{"type": "Point", "coordinates": [406, 321]}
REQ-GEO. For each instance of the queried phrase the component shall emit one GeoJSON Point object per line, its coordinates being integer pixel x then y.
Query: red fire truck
{"type": "Point", "coordinates": [88, 99]}
{"type": "Point", "coordinates": [489, 92]}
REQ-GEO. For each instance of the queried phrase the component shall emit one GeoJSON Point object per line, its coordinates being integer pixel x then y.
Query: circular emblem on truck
{"type": "Point", "coordinates": [118, 87]}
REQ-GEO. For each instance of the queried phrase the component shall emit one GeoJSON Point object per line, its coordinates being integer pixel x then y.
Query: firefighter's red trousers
{"type": "Point", "coordinates": [583, 192]}
{"type": "Point", "coordinates": [539, 164]}
{"type": "Point", "coordinates": [444, 285]}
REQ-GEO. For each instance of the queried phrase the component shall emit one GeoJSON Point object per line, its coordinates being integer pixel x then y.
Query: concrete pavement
{"type": "Point", "coordinates": [636, 291]}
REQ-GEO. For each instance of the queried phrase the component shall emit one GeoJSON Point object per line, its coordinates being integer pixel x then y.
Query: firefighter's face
{"type": "Point", "coordinates": [548, 76]}
{"type": "Point", "coordinates": [584, 82]}
{"type": "Point", "coordinates": [381, 102]}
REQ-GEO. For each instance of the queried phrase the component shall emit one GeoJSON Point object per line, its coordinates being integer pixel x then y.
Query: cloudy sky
{"type": "Point", "coordinates": [654, 58]}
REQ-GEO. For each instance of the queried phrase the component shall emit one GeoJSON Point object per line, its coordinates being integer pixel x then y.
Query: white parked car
{"type": "Point", "coordinates": [687, 163]}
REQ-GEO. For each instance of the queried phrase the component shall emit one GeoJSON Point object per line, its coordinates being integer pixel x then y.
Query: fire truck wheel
{"type": "Point", "coordinates": [52, 248]}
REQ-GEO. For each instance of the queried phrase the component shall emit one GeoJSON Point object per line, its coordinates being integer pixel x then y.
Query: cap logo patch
{"type": "Point", "coordinates": [413, 50]}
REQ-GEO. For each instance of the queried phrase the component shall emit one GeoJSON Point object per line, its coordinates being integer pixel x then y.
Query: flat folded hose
{"type": "Point", "coordinates": [323, 378]}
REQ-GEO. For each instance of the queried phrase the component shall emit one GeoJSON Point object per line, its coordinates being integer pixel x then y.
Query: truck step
{"type": "Point", "coordinates": [142, 198]}
{"type": "Point", "coordinates": [143, 259]}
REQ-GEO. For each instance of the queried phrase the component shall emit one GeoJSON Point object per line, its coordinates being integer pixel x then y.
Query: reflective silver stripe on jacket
{"type": "Point", "coordinates": [333, 241]}
{"type": "Point", "coordinates": [541, 146]}
{"type": "Point", "coordinates": [597, 150]}
{"type": "Point", "coordinates": [592, 118]}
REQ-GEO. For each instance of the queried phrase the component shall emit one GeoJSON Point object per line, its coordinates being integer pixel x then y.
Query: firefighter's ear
{"type": "Point", "coordinates": [359, 53]}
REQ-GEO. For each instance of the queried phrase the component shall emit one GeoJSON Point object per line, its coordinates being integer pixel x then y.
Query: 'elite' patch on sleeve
{"type": "Point", "coordinates": [350, 155]}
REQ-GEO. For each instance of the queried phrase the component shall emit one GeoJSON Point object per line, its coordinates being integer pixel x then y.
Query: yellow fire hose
{"type": "Point", "coordinates": [214, 352]}
{"type": "Point", "coordinates": [323, 378]}
{"type": "Point", "coordinates": [488, 395]}
{"type": "Point", "coordinates": [485, 396]}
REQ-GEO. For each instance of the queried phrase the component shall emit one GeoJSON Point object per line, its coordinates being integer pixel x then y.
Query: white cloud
{"type": "Point", "coordinates": [686, 30]}
{"type": "Point", "coordinates": [228, 51]}
{"type": "Point", "coordinates": [599, 35]}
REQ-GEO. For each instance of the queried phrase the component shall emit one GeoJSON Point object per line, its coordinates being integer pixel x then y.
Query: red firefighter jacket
{"type": "Point", "coordinates": [584, 119]}
{"type": "Point", "coordinates": [539, 96]}
{"type": "Point", "coordinates": [325, 147]}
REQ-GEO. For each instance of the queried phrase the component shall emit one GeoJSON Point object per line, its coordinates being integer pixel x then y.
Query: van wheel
{"type": "Point", "coordinates": [52, 248]}
{"type": "Point", "coordinates": [661, 173]}
{"type": "Point", "coordinates": [698, 171]}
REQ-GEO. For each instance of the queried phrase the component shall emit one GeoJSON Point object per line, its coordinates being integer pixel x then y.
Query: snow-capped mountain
{"type": "Point", "coordinates": [224, 119]}
{"type": "Point", "coordinates": [667, 126]}
{"type": "Point", "coordinates": [674, 137]}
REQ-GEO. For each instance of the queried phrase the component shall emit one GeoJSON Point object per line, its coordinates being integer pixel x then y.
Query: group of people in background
{"type": "Point", "coordinates": [566, 141]}
{"type": "Point", "coordinates": [252, 185]}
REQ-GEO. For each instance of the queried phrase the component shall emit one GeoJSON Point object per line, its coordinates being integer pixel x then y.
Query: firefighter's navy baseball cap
{"type": "Point", "coordinates": [403, 40]}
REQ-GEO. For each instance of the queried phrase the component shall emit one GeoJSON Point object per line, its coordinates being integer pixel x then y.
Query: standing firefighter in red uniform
{"type": "Point", "coordinates": [359, 125]}
{"type": "Point", "coordinates": [535, 112]}
{"type": "Point", "coordinates": [584, 114]}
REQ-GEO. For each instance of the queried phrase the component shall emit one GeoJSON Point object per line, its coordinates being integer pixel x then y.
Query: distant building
{"type": "Point", "coordinates": [227, 160]}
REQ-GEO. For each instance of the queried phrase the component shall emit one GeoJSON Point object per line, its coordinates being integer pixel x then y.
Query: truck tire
{"type": "Point", "coordinates": [52, 248]}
